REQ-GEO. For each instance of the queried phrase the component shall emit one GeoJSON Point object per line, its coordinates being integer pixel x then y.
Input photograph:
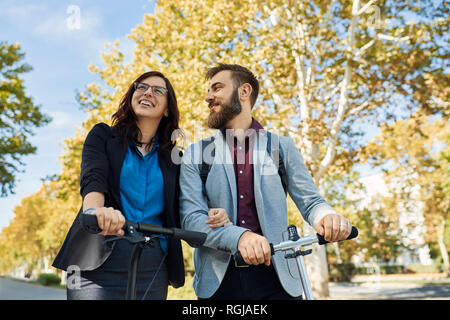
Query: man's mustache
{"type": "Point", "coordinates": [213, 103]}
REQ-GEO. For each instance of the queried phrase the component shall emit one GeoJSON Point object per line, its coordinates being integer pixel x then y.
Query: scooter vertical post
{"type": "Point", "coordinates": [132, 272]}
{"type": "Point", "coordinates": [303, 275]}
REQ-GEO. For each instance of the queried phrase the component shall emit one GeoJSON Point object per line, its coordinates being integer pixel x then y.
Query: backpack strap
{"type": "Point", "coordinates": [281, 168]}
{"type": "Point", "coordinates": [204, 167]}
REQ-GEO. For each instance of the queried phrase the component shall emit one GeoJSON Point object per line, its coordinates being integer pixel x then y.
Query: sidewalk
{"type": "Point", "coordinates": [11, 289]}
{"type": "Point", "coordinates": [394, 287]}
{"type": "Point", "coordinates": [381, 287]}
{"type": "Point", "coordinates": [438, 278]}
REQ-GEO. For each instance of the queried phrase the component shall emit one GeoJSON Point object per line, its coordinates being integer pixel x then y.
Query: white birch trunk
{"type": "Point", "coordinates": [316, 262]}
{"type": "Point", "coordinates": [343, 100]}
{"type": "Point", "coordinates": [443, 248]}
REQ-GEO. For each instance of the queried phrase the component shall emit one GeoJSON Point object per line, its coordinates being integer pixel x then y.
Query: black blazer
{"type": "Point", "coordinates": [101, 164]}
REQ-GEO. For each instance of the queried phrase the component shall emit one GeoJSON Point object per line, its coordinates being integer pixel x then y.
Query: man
{"type": "Point", "coordinates": [243, 181]}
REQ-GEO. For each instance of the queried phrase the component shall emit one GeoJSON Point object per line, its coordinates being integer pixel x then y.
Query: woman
{"type": "Point", "coordinates": [127, 173]}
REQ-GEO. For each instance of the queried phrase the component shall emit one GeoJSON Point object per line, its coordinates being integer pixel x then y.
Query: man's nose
{"type": "Point", "coordinates": [209, 97]}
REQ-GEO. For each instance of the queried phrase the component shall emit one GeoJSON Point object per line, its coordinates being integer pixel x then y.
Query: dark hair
{"type": "Point", "coordinates": [239, 75]}
{"type": "Point", "coordinates": [124, 120]}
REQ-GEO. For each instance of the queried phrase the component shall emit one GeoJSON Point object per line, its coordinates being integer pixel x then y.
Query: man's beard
{"type": "Point", "coordinates": [218, 120]}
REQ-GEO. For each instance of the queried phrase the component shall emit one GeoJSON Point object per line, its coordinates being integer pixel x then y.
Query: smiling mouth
{"type": "Point", "coordinates": [214, 106]}
{"type": "Point", "coordinates": [146, 103]}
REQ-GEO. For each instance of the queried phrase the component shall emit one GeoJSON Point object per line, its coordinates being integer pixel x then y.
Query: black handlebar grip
{"type": "Point", "coordinates": [353, 234]}
{"type": "Point", "coordinates": [239, 261]}
{"type": "Point", "coordinates": [193, 238]}
{"type": "Point", "coordinates": [89, 223]}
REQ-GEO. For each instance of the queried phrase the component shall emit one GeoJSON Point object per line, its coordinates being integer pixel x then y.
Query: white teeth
{"type": "Point", "coordinates": [145, 103]}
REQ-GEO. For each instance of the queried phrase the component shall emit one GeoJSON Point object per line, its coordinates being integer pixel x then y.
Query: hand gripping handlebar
{"type": "Point", "coordinates": [194, 238]}
{"type": "Point", "coordinates": [294, 242]}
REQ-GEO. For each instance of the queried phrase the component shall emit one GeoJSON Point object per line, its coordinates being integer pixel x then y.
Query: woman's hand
{"type": "Point", "coordinates": [110, 221]}
{"type": "Point", "coordinates": [218, 217]}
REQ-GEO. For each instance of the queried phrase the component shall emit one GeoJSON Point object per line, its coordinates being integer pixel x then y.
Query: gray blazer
{"type": "Point", "coordinates": [211, 260]}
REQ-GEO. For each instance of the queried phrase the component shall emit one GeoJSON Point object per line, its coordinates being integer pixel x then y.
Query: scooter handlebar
{"type": "Point", "coordinates": [239, 261]}
{"type": "Point", "coordinates": [353, 234]}
{"type": "Point", "coordinates": [194, 238]}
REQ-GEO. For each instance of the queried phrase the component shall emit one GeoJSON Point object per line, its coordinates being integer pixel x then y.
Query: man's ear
{"type": "Point", "coordinates": [245, 91]}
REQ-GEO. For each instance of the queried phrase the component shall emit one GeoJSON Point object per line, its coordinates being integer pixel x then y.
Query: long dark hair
{"type": "Point", "coordinates": [124, 120]}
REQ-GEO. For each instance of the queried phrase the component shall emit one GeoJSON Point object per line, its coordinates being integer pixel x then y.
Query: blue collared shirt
{"type": "Point", "coordinates": [142, 187]}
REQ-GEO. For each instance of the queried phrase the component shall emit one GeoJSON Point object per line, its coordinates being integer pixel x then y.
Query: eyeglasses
{"type": "Point", "coordinates": [156, 90]}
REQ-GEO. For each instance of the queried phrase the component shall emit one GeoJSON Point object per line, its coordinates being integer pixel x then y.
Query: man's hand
{"type": "Point", "coordinates": [334, 227]}
{"type": "Point", "coordinates": [254, 249]}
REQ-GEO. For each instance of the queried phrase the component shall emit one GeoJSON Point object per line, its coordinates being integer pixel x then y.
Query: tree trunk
{"type": "Point", "coordinates": [316, 262]}
{"type": "Point", "coordinates": [443, 248]}
{"type": "Point", "coordinates": [317, 267]}
{"type": "Point", "coordinates": [337, 251]}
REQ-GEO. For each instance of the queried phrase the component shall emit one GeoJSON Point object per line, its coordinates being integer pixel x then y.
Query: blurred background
{"type": "Point", "coordinates": [361, 87]}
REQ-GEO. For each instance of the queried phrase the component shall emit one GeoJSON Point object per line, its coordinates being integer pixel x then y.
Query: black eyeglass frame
{"type": "Point", "coordinates": [154, 89]}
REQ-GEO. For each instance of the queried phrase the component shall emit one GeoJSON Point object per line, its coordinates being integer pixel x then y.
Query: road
{"type": "Point", "coordinates": [17, 290]}
{"type": "Point", "coordinates": [391, 291]}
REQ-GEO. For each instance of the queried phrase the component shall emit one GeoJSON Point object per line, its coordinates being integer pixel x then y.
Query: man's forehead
{"type": "Point", "coordinates": [223, 76]}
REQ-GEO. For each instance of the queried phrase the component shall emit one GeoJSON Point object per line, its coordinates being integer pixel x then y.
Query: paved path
{"type": "Point", "coordinates": [392, 291]}
{"type": "Point", "coordinates": [18, 290]}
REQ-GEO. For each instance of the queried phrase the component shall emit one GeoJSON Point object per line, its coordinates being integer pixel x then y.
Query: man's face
{"type": "Point", "coordinates": [222, 99]}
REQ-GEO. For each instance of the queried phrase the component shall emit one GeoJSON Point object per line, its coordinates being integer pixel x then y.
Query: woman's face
{"type": "Point", "coordinates": [149, 99]}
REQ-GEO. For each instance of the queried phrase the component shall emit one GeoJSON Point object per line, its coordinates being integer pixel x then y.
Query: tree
{"type": "Point", "coordinates": [416, 151]}
{"type": "Point", "coordinates": [328, 69]}
{"type": "Point", "coordinates": [19, 240]}
{"type": "Point", "coordinates": [18, 116]}
{"type": "Point", "coordinates": [375, 216]}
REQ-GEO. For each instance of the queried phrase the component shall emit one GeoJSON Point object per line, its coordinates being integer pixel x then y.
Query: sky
{"type": "Point", "coordinates": [61, 39]}
{"type": "Point", "coordinates": [60, 47]}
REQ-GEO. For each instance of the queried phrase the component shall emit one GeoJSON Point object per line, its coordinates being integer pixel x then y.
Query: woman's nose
{"type": "Point", "coordinates": [149, 92]}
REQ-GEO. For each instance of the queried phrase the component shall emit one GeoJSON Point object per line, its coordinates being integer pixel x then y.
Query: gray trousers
{"type": "Point", "coordinates": [109, 281]}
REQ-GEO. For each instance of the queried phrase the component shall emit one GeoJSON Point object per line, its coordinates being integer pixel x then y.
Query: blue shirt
{"type": "Point", "coordinates": [142, 187]}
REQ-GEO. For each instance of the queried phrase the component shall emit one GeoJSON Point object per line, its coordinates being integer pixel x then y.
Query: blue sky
{"type": "Point", "coordinates": [60, 55]}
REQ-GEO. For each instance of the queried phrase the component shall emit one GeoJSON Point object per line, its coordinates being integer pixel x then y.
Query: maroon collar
{"type": "Point", "coordinates": [256, 126]}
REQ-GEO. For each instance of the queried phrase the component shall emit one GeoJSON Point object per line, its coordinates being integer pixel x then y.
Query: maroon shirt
{"type": "Point", "coordinates": [247, 216]}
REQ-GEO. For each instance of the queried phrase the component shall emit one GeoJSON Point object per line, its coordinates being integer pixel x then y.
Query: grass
{"type": "Point", "coordinates": [184, 293]}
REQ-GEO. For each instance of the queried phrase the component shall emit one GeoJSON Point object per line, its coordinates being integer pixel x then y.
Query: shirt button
{"type": "Point", "coordinates": [241, 196]}
{"type": "Point", "coordinates": [240, 148]}
{"type": "Point", "coordinates": [243, 221]}
{"type": "Point", "coordinates": [240, 171]}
